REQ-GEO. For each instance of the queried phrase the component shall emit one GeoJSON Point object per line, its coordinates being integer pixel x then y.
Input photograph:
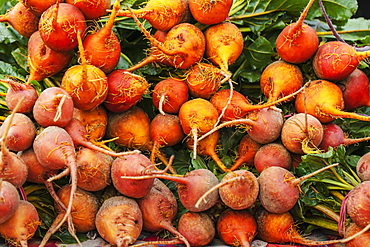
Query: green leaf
{"type": "Point", "coordinates": [259, 52]}
{"type": "Point", "coordinates": [10, 70]}
{"type": "Point", "coordinates": [339, 11]}
{"type": "Point", "coordinates": [355, 30]}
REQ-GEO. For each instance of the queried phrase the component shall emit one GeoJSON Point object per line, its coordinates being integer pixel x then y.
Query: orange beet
{"type": "Point", "coordinates": [210, 12]}
{"type": "Point", "coordinates": [324, 100]}
{"type": "Point", "coordinates": [297, 42]}
{"type": "Point", "coordinates": [279, 79]}
{"type": "Point", "coordinates": [21, 19]}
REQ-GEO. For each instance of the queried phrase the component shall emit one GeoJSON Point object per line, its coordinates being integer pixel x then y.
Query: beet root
{"type": "Point", "coordinates": [18, 90]}
{"type": "Point", "coordinates": [236, 227]}
{"type": "Point", "coordinates": [85, 207]}
{"type": "Point", "coordinates": [169, 95]}
{"type": "Point", "coordinates": [21, 19]}
{"type": "Point", "coordinates": [198, 228]}
{"type": "Point", "coordinates": [298, 42]}
{"type": "Point", "coordinates": [22, 225]}
{"type": "Point", "coordinates": [43, 61]}
{"type": "Point", "coordinates": [247, 150]}
{"type": "Point", "coordinates": [93, 169]}
{"type": "Point", "coordinates": [54, 107]}
{"type": "Point", "coordinates": [279, 190]}
{"type": "Point", "coordinates": [132, 165]}
{"type": "Point", "coordinates": [59, 26]}
{"type": "Point", "coordinates": [22, 132]}
{"type": "Point", "coordinates": [280, 228]}
{"type": "Point", "coordinates": [125, 89]}
{"type": "Point", "coordinates": [240, 189]}
{"type": "Point", "coordinates": [9, 200]}
{"type": "Point", "coordinates": [272, 154]}
{"type": "Point", "coordinates": [302, 133]}
{"type": "Point", "coordinates": [119, 221]}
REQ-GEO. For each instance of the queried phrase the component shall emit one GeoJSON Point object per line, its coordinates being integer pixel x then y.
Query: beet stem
{"type": "Point", "coordinates": [194, 133]}
{"type": "Point", "coordinates": [304, 14]}
{"type": "Point", "coordinates": [226, 105]}
{"type": "Point", "coordinates": [330, 24]}
{"type": "Point", "coordinates": [227, 124]}
{"type": "Point", "coordinates": [110, 24]}
{"type": "Point", "coordinates": [152, 40]}
{"type": "Point", "coordinates": [337, 113]}
{"type": "Point", "coordinates": [58, 113]}
{"type": "Point", "coordinates": [296, 181]}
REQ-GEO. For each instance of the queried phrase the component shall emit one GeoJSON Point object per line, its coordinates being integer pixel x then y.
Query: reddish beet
{"type": "Point", "coordinates": [165, 131]}
{"type": "Point", "coordinates": [279, 189]}
{"type": "Point", "coordinates": [297, 42]}
{"type": "Point", "coordinates": [12, 167]}
{"type": "Point", "coordinates": [21, 133]}
{"type": "Point", "coordinates": [272, 154]}
{"type": "Point", "coordinates": [237, 227]}
{"type": "Point", "coordinates": [125, 89]}
{"type": "Point", "coordinates": [362, 167]}
{"type": "Point", "coordinates": [85, 83]}
{"type": "Point", "coordinates": [355, 203]}
{"type": "Point", "coordinates": [246, 151]}
{"type": "Point", "coordinates": [91, 9]}
{"type": "Point", "coordinates": [334, 136]}
{"type": "Point", "coordinates": [9, 200]}
{"type": "Point", "coordinates": [335, 60]}
{"type": "Point", "coordinates": [355, 89]}
{"type": "Point", "coordinates": [267, 125]}
{"type": "Point", "coordinates": [54, 106]}
{"type": "Point", "coordinates": [263, 126]}
{"type": "Point", "coordinates": [54, 149]}
{"type": "Point", "coordinates": [361, 240]}
{"type": "Point", "coordinates": [191, 187]}
{"type": "Point", "coordinates": [119, 221]}
{"type": "Point", "coordinates": [210, 12]}
{"type": "Point", "coordinates": [159, 208]}
{"type": "Point", "coordinates": [169, 95]}
{"type": "Point", "coordinates": [37, 173]}
{"type": "Point", "coordinates": [59, 25]}
{"type": "Point", "coordinates": [21, 19]}
{"type": "Point", "coordinates": [132, 165]}
{"type": "Point", "coordinates": [43, 61]}
{"type": "Point", "coordinates": [198, 228]}
{"type": "Point", "coordinates": [18, 90]}
{"type": "Point", "coordinates": [107, 56]}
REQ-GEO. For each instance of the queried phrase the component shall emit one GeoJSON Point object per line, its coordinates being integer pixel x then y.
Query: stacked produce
{"type": "Point", "coordinates": [189, 120]}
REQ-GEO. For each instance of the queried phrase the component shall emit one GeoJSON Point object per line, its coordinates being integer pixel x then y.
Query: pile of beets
{"type": "Point", "coordinates": [92, 130]}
